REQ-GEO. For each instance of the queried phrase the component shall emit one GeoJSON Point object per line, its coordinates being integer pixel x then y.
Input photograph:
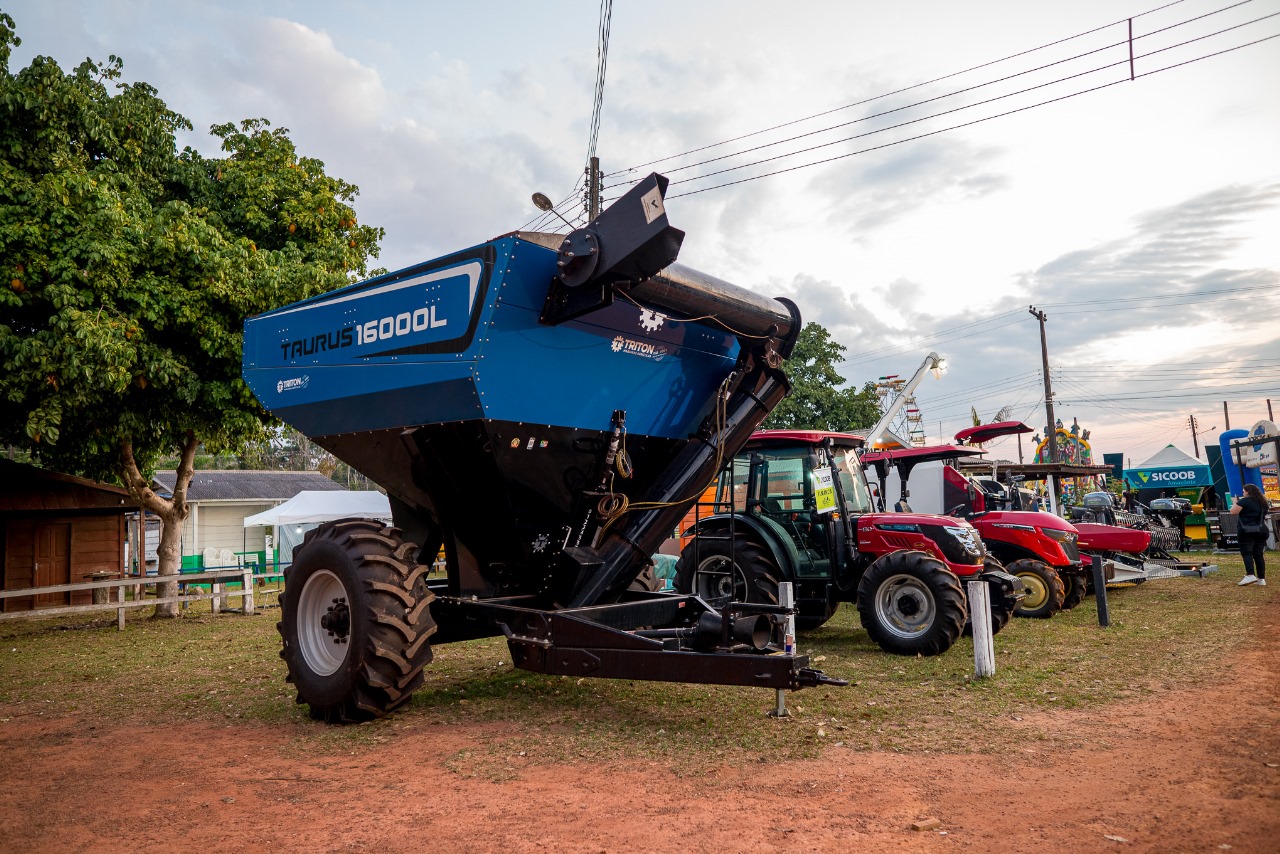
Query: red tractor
{"type": "Point", "coordinates": [1040, 548]}
{"type": "Point", "coordinates": [795, 506]}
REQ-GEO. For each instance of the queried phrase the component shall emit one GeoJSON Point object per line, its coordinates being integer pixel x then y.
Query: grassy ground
{"type": "Point", "coordinates": [1164, 634]}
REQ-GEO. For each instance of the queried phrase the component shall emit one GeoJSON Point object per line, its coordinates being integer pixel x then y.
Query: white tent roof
{"type": "Point", "coordinates": [312, 506]}
{"type": "Point", "coordinates": [1169, 458]}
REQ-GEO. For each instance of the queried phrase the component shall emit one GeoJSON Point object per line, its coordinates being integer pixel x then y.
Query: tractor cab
{"type": "Point", "coordinates": [806, 485]}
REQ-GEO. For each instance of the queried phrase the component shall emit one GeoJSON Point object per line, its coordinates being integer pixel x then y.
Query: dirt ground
{"type": "Point", "coordinates": [1179, 771]}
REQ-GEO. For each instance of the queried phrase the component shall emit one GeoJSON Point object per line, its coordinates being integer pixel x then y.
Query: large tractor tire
{"type": "Point", "coordinates": [1045, 591]}
{"type": "Point", "coordinates": [1074, 589]}
{"type": "Point", "coordinates": [708, 568]}
{"type": "Point", "coordinates": [1002, 606]}
{"type": "Point", "coordinates": [911, 604]}
{"type": "Point", "coordinates": [355, 621]}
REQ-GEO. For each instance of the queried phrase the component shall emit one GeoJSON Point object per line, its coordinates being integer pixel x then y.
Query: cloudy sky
{"type": "Point", "coordinates": [940, 166]}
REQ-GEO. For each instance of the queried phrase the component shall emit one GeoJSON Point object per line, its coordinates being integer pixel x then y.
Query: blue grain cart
{"type": "Point", "coordinates": [546, 408]}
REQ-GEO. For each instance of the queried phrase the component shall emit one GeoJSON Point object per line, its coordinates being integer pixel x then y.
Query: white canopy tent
{"type": "Point", "coordinates": [312, 507]}
{"type": "Point", "coordinates": [308, 508]}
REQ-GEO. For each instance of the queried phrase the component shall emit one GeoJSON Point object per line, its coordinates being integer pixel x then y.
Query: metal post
{"type": "Point", "coordinates": [1100, 592]}
{"type": "Point", "coordinates": [593, 210]}
{"type": "Point", "coordinates": [1051, 431]}
{"type": "Point", "coordinates": [984, 650]}
{"type": "Point", "coordinates": [786, 598]}
{"type": "Point", "coordinates": [246, 601]}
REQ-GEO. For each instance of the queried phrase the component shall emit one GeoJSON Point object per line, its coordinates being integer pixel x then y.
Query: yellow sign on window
{"type": "Point", "coordinates": [824, 489]}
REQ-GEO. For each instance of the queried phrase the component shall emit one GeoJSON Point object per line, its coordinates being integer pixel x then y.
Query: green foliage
{"type": "Point", "coordinates": [127, 267]}
{"type": "Point", "coordinates": [817, 402]}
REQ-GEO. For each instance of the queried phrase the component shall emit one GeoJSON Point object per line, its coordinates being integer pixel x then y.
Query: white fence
{"type": "Point", "coordinates": [116, 589]}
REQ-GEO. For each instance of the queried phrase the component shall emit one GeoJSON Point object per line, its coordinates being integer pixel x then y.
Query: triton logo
{"type": "Point", "coordinates": [644, 349]}
{"type": "Point", "coordinates": [292, 384]}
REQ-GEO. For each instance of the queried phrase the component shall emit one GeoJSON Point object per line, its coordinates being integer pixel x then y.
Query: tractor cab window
{"type": "Point", "coordinates": [786, 495]}
{"type": "Point", "coordinates": [857, 497]}
{"type": "Point", "coordinates": [732, 487]}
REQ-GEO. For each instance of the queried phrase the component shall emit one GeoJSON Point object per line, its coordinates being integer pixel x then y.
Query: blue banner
{"type": "Point", "coordinates": [1169, 478]}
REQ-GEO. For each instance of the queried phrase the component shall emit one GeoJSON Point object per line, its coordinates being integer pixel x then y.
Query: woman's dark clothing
{"type": "Point", "coordinates": [1253, 546]}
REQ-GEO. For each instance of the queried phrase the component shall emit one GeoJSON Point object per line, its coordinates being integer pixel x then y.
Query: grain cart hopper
{"type": "Point", "coordinates": [546, 408]}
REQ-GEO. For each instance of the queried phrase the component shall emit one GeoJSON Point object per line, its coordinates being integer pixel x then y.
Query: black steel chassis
{"type": "Point", "coordinates": [657, 638]}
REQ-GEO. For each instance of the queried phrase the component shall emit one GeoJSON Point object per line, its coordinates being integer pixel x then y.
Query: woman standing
{"type": "Point", "coordinates": [1251, 508]}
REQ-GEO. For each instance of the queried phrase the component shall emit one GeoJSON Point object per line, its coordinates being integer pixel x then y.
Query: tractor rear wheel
{"type": "Point", "coordinates": [355, 619]}
{"type": "Point", "coordinates": [911, 604]}
{"type": "Point", "coordinates": [1044, 588]}
{"type": "Point", "coordinates": [720, 570]}
{"type": "Point", "coordinates": [1074, 589]}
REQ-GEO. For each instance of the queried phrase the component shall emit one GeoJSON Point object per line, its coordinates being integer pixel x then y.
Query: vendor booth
{"type": "Point", "coordinates": [292, 519]}
{"type": "Point", "coordinates": [1173, 473]}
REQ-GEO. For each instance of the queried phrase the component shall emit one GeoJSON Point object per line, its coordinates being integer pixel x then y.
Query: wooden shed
{"type": "Point", "coordinates": [57, 529]}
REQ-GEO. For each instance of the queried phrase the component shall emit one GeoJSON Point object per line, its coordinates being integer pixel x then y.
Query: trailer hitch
{"type": "Point", "coordinates": [808, 677]}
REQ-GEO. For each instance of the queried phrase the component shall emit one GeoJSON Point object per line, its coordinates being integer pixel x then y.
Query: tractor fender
{"type": "Point", "coordinates": [765, 531]}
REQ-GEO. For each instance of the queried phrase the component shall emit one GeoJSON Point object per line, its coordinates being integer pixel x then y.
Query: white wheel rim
{"type": "Point", "coordinates": [322, 649]}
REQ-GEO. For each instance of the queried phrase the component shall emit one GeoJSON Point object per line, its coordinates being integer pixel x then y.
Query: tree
{"type": "Point", "coordinates": [131, 267]}
{"type": "Point", "coordinates": [816, 401]}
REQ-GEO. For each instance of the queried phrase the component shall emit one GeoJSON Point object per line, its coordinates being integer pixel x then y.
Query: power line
{"type": "Point", "coordinates": [1024, 108]}
{"type": "Point", "coordinates": [897, 350]}
{"type": "Point", "coordinates": [896, 91]}
{"type": "Point", "coordinates": [602, 61]}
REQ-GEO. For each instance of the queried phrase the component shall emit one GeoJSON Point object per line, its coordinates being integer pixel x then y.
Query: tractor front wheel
{"type": "Point", "coordinates": [1044, 588]}
{"type": "Point", "coordinates": [355, 619]}
{"type": "Point", "coordinates": [911, 604]}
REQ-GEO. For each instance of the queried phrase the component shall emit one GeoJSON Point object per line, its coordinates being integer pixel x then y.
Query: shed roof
{"type": "Point", "coordinates": [248, 485]}
{"type": "Point", "coordinates": [26, 487]}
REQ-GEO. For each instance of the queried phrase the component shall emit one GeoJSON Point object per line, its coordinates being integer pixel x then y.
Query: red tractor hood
{"type": "Point", "coordinates": [1022, 517]}
{"type": "Point", "coordinates": [1111, 538]}
{"type": "Point", "coordinates": [907, 519]}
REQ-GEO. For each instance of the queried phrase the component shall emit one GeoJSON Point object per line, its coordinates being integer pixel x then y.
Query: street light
{"type": "Point", "coordinates": [938, 366]}
{"type": "Point", "coordinates": [542, 203]}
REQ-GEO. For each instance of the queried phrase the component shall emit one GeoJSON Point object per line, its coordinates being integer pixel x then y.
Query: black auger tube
{"type": "Point", "coordinates": [695, 294]}
{"type": "Point", "coordinates": [634, 536]}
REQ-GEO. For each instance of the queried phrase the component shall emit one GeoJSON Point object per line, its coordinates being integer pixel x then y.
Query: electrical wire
{"type": "Point", "coordinates": [896, 91]}
{"type": "Point", "coordinates": [602, 61]}
{"type": "Point", "coordinates": [1123, 62]}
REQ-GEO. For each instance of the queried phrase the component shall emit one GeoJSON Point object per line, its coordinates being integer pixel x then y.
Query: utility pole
{"type": "Point", "coordinates": [593, 189]}
{"type": "Point", "coordinates": [1051, 432]}
{"type": "Point", "coordinates": [1195, 440]}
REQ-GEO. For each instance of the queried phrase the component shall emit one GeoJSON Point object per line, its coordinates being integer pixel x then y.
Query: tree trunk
{"type": "Point", "coordinates": [172, 512]}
